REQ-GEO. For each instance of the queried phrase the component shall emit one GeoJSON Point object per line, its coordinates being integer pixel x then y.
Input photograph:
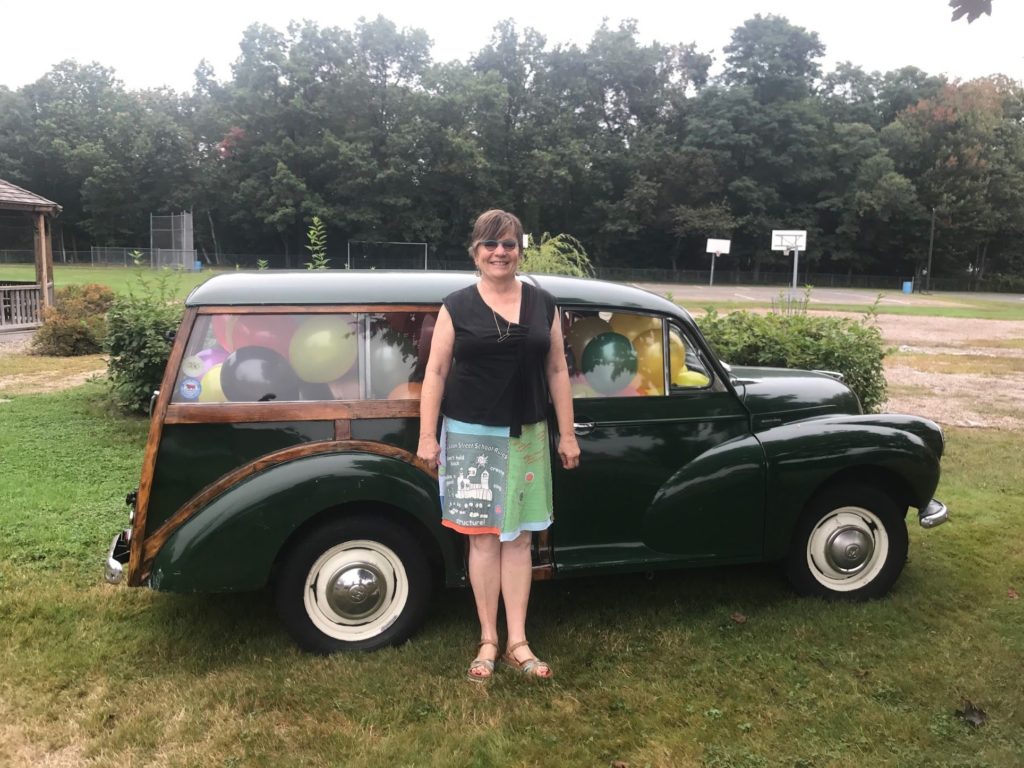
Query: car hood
{"type": "Point", "coordinates": [777, 396]}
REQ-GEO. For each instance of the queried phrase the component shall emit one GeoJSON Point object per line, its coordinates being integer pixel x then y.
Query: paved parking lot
{"type": "Point", "coordinates": [697, 294]}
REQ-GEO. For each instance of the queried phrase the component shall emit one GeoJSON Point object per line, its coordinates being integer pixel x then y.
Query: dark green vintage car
{"type": "Point", "coordinates": [282, 451]}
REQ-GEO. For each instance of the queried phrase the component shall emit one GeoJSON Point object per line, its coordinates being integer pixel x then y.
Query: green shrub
{"type": "Point", "coordinates": [75, 324]}
{"type": "Point", "coordinates": [139, 331]}
{"type": "Point", "coordinates": [852, 348]}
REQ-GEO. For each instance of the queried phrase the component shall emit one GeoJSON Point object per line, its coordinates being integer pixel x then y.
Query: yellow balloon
{"type": "Point", "coordinates": [687, 378]}
{"type": "Point", "coordinates": [581, 332]}
{"type": "Point", "coordinates": [676, 352]}
{"type": "Point", "coordinates": [209, 386]}
{"type": "Point", "coordinates": [631, 326]}
{"type": "Point", "coordinates": [650, 361]}
{"type": "Point", "coordinates": [323, 349]}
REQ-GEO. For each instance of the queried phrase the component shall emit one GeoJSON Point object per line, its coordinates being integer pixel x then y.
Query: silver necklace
{"type": "Point", "coordinates": [508, 328]}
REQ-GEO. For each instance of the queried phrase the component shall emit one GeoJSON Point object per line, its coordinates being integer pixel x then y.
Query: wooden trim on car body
{"type": "Point", "coordinates": [322, 410]}
{"type": "Point", "coordinates": [156, 424]}
{"type": "Point", "coordinates": [155, 542]}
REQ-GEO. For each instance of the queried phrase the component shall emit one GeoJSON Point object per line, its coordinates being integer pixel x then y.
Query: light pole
{"type": "Point", "coordinates": [931, 244]}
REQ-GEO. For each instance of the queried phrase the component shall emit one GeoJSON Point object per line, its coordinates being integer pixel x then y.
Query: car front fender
{"type": "Point", "coordinates": [803, 457]}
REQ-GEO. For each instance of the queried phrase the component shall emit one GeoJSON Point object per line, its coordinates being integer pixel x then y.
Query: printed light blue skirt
{"type": "Point", "coordinates": [493, 483]}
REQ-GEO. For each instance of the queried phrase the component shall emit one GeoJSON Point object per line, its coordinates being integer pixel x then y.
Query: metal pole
{"type": "Point", "coordinates": [796, 261]}
{"type": "Point", "coordinates": [713, 257]}
{"type": "Point", "coordinates": [931, 243]}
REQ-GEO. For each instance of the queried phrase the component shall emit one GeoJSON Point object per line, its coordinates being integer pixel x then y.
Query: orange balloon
{"type": "Point", "coordinates": [408, 390]}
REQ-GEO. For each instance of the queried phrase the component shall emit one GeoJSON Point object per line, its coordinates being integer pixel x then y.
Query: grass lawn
{"type": "Point", "coordinates": [118, 279]}
{"type": "Point", "coordinates": [710, 668]}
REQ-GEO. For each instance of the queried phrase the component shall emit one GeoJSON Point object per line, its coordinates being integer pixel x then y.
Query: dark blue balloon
{"type": "Point", "coordinates": [258, 374]}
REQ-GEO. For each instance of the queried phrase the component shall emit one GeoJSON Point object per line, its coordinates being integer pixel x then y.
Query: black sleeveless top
{"type": "Point", "coordinates": [498, 371]}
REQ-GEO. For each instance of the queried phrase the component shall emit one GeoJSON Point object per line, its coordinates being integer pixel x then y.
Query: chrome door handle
{"type": "Point", "coordinates": [583, 427]}
{"type": "Point", "coordinates": [152, 401]}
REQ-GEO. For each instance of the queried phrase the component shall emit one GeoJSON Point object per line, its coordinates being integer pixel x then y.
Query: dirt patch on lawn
{"type": "Point", "coordinates": [22, 373]}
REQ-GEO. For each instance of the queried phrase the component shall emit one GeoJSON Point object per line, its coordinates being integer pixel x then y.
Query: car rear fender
{"type": "Point", "coordinates": [232, 543]}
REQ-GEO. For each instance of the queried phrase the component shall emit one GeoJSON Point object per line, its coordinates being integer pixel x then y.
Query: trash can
{"type": "Point", "coordinates": [908, 285]}
{"type": "Point", "coordinates": [198, 267]}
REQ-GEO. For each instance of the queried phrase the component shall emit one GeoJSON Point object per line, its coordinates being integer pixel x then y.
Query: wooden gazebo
{"type": "Point", "coordinates": [21, 303]}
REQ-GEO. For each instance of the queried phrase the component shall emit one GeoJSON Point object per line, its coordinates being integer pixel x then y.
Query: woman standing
{"type": "Point", "coordinates": [495, 357]}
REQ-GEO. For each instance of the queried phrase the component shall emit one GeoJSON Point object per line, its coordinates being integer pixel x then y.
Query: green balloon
{"type": "Point", "coordinates": [609, 362]}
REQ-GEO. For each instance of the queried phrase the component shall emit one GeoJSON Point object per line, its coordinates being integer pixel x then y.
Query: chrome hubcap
{"type": "Point", "coordinates": [356, 590]}
{"type": "Point", "coordinates": [849, 548]}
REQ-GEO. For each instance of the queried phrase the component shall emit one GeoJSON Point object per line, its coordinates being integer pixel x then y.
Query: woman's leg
{"type": "Point", "coordinates": [516, 578]}
{"type": "Point", "coordinates": [485, 578]}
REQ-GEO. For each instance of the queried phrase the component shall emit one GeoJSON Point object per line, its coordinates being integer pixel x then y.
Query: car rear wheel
{"type": "Point", "coordinates": [353, 584]}
{"type": "Point", "coordinates": [850, 543]}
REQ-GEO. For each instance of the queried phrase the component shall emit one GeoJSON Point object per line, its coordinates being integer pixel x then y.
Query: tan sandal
{"type": "Point", "coordinates": [479, 663]}
{"type": "Point", "coordinates": [533, 667]}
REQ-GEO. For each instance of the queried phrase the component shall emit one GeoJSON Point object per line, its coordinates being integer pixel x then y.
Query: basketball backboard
{"type": "Point", "coordinates": [789, 240]}
{"type": "Point", "coordinates": [718, 246]}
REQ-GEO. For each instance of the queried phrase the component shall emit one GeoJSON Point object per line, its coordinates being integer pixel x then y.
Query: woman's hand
{"type": "Point", "coordinates": [569, 451]}
{"type": "Point", "coordinates": [429, 450]}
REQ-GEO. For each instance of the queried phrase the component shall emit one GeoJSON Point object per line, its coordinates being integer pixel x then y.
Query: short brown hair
{"type": "Point", "coordinates": [492, 224]}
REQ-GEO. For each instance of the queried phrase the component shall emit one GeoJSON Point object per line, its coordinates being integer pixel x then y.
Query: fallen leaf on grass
{"type": "Point", "coordinates": [972, 715]}
{"type": "Point", "coordinates": [619, 764]}
{"type": "Point", "coordinates": [1012, 593]}
{"type": "Point", "coordinates": [738, 617]}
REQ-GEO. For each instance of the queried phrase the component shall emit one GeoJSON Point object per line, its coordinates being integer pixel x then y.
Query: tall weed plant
{"type": "Point", "coordinates": [557, 255]}
{"type": "Point", "coordinates": [140, 328]}
{"type": "Point", "coordinates": [317, 245]}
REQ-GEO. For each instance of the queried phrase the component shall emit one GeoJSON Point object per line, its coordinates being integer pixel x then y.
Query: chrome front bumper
{"type": "Point", "coordinates": [117, 557]}
{"type": "Point", "coordinates": [934, 514]}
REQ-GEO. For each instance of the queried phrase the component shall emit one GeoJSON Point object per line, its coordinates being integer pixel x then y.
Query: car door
{"type": "Point", "coordinates": [669, 469]}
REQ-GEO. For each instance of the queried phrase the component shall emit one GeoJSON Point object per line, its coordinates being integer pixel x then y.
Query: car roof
{"type": "Point", "coordinates": [309, 287]}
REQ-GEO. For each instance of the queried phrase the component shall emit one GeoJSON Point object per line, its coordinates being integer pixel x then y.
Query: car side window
{"type": "Point", "coordinates": [271, 357]}
{"type": "Point", "coordinates": [614, 354]}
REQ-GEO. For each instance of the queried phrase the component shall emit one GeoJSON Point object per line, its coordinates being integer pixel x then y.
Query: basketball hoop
{"type": "Point", "coordinates": [716, 248]}
{"type": "Point", "coordinates": [790, 241]}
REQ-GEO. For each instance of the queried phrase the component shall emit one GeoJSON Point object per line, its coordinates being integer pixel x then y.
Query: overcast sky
{"type": "Point", "coordinates": [151, 44]}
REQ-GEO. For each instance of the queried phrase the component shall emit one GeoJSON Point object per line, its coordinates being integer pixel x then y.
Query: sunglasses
{"type": "Point", "coordinates": [508, 245]}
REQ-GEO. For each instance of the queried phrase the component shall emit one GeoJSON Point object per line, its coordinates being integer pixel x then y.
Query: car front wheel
{"type": "Point", "coordinates": [353, 584]}
{"type": "Point", "coordinates": [850, 543]}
